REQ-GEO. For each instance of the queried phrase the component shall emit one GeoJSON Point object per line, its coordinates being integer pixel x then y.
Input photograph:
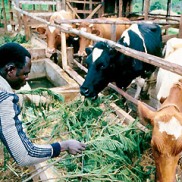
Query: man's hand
{"type": "Point", "coordinates": [72, 146]}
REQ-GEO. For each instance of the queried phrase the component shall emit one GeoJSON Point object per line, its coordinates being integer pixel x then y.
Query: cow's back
{"type": "Point", "coordinates": [152, 38]}
{"type": "Point", "coordinates": [106, 29]}
{"type": "Point", "coordinates": [63, 15]}
{"type": "Point", "coordinates": [165, 78]}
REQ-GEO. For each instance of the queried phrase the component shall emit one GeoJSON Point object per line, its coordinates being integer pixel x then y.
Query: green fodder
{"type": "Point", "coordinates": [114, 152]}
{"type": "Point", "coordinates": [18, 38]}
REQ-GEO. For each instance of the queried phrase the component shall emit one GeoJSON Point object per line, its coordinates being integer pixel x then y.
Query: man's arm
{"type": "Point", "coordinates": [12, 135]}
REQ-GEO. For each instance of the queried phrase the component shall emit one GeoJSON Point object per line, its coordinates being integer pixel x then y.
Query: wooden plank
{"type": "Point", "coordinates": [38, 2]}
{"type": "Point", "coordinates": [75, 12]}
{"type": "Point", "coordinates": [4, 15]}
{"type": "Point", "coordinates": [146, 9]}
{"type": "Point", "coordinates": [113, 32]}
{"type": "Point", "coordinates": [1, 155]}
{"type": "Point", "coordinates": [180, 28]}
{"type": "Point", "coordinates": [126, 117]}
{"type": "Point", "coordinates": [94, 11]}
{"type": "Point", "coordinates": [45, 14]}
{"type": "Point", "coordinates": [120, 8]}
{"type": "Point", "coordinates": [154, 60]}
{"type": "Point", "coordinates": [121, 113]}
{"type": "Point", "coordinates": [74, 75]}
{"type": "Point", "coordinates": [117, 22]}
{"type": "Point", "coordinates": [63, 51]}
{"type": "Point", "coordinates": [83, 2]}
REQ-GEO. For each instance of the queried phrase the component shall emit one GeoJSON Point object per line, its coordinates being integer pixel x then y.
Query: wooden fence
{"type": "Point", "coordinates": [159, 62]}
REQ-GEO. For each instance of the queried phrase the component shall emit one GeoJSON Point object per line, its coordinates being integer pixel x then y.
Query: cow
{"type": "Point", "coordinates": [166, 79]}
{"type": "Point", "coordinates": [101, 30]}
{"type": "Point", "coordinates": [105, 64]}
{"type": "Point", "coordinates": [53, 34]}
{"type": "Point", "coordinates": [166, 141]}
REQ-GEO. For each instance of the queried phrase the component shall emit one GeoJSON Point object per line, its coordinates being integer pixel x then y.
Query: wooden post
{"type": "Point", "coordinates": [113, 32]}
{"type": "Point", "coordinates": [4, 14]}
{"type": "Point", "coordinates": [73, 10]}
{"type": "Point", "coordinates": [128, 8]}
{"type": "Point", "coordinates": [146, 9]}
{"type": "Point", "coordinates": [1, 155]}
{"type": "Point", "coordinates": [58, 5]}
{"type": "Point", "coordinates": [11, 15]}
{"type": "Point", "coordinates": [90, 5]}
{"type": "Point", "coordinates": [94, 11]}
{"type": "Point", "coordinates": [70, 56]}
{"type": "Point", "coordinates": [63, 4]}
{"type": "Point", "coordinates": [143, 2]}
{"type": "Point", "coordinates": [115, 7]}
{"type": "Point", "coordinates": [102, 8]}
{"type": "Point", "coordinates": [26, 27]}
{"type": "Point", "coordinates": [168, 7]}
{"type": "Point", "coordinates": [17, 13]}
{"type": "Point", "coordinates": [180, 28]}
{"type": "Point", "coordinates": [63, 51]}
{"type": "Point", "coordinates": [120, 8]}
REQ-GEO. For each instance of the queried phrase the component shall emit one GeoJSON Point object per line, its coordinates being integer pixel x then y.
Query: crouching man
{"type": "Point", "coordinates": [15, 65]}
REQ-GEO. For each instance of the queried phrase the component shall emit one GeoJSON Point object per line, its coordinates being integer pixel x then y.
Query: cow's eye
{"type": "Point", "coordinates": [58, 36]}
{"type": "Point", "coordinates": [101, 66]}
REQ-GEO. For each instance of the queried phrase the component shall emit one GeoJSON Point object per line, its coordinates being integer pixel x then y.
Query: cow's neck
{"type": "Point", "coordinates": [174, 98]}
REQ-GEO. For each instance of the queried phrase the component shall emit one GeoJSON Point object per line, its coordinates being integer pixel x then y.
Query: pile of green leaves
{"type": "Point", "coordinates": [18, 38]}
{"type": "Point", "coordinates": [114, 152]}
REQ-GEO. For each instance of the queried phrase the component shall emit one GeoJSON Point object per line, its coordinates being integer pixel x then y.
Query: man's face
{"type": "Point", "coordinates": [17, 77]}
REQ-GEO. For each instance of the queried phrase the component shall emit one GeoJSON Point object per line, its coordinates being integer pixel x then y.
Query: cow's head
{"type": "Point", "coordinates": [166, 139]}
{"type": "Point", "coordinates": [85, 42]}
{"type": "Point", "coordinates": [100, 69]}
{"type": "Point", "coordinates": [53, 38]}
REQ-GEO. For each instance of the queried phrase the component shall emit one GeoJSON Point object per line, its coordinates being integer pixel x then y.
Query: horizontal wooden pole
{"type": "Point", "coordinates": [46, 14]}
{"type": "Point", "coordinates": [117, 22]}
{"type": "Point", "coordinates": [38, 2]}
{"type": "Point", "coordinates": [83, 2]}
{"type": "Point", "coordinates": [159, 62]}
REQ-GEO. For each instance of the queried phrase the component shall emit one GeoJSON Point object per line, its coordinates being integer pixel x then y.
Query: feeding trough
{"type": "Point", "coordinates": [46, 74]}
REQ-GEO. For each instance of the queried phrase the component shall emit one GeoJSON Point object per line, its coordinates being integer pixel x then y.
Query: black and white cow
{"type": "Point", "coordinates": [105, 64]}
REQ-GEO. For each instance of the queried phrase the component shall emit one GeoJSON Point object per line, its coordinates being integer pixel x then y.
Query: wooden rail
{"type": "Point", "coordinates": [116, 22]}
{"type": "Point", "coordinates": [38, 2]}
{"type": "Point", "coordinates": [159, 62]}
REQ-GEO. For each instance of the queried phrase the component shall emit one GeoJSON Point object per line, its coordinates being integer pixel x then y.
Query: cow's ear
{"type": "Point", "coordinates": [77, 25]}
{"type": "Point", "coordinates": [112, 52]}
{"type": "Point", "coordinates": [146, 115]}
{"type": "Point", "coordinates": [96, 32]}
{"type": "Point", "coordinates": [91, 25]}
{"type": "Point", "coordinates": [162, 99]}
{"type": "Point", "coordinates": [41, 30]}
{"type": "Point", "coordinates": [88, 50]}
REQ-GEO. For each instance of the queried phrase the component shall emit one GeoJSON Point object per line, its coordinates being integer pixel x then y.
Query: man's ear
{"type": "Point", "coordinates": [9, 68]}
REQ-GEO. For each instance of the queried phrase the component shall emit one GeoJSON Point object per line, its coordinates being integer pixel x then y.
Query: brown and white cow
{"type": "Point", "coordinates": [53, 34]}
{"type": "Point", "coordinates": [165, 78]}
{"type": "Point", "coordinates": [101, 30]}
{"type": "Point", "coordinates": [166, 139]}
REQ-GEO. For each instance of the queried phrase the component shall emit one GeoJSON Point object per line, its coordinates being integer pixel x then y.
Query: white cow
{"type": "Point", "coordinates": [166, 79]}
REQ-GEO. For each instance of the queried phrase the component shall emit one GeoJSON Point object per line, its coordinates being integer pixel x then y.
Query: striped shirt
{"type": "Point", "coordinates": [23, 151]}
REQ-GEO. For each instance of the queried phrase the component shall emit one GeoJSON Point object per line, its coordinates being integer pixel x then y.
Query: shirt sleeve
{"type": "Point", "coordinates": [23, 151]}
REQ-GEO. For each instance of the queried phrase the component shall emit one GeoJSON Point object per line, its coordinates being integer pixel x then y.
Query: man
{"type": "Point", "coordinates": [15, 65]}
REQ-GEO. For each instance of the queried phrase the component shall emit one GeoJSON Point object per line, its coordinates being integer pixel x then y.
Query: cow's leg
{"type": "Point", "coordinates": [140, 84]}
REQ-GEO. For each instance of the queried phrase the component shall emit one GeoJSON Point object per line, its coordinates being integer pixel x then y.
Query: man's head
{"type": "Point", "coordinates": [15, 64]}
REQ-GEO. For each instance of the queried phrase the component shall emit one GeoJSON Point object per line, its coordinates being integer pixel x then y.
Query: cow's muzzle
{"type": "Point", "coordinates": [87, 93]}
{"type": "Point", "coordinates": [50, 52]}
{"type": "Point", "coordinates": [82, 53]}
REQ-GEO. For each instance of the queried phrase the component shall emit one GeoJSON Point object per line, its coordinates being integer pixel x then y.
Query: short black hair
{"type": "Point", "coordinates": [13, 53]}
